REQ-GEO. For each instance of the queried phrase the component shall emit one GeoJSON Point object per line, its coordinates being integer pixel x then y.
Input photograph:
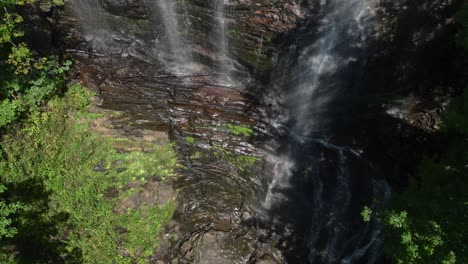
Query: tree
{"type": "Point", "coordinates": [6, 209]}
{"type": "Point", "coordinates": [26, 79]}
{"type": "Point", "coordinates": [428, 223]}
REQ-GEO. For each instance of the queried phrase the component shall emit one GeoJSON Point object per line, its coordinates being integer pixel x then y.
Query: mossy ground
{"type": "Point", "coordinates": [240, 130]}
{"type": "Point", "coordinates": [241, 162]}
{"type": "Point", "coordinates": [82, 177]}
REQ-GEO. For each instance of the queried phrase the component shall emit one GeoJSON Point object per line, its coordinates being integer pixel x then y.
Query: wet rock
{"type": "Point", "coordinates": [415, 47]}
{"type": "Point", "coordinates": [266, 260]}
{"type": "Point", "coordinates": [222, 225]}
{"type": "Point", "coordinates": [129, 28]}
{"type": "Point", "coordinates": [209, 248]}
{"type": "Point", "coordinates": [165, 193]}
{"type": "Point", "coordinates": [420, 113]}
{"type": "Point", "coordinates": [46, 5]}
{"type": "Point", "coordinates": [150, 193]}
{"type": "Point", "coordinates": [219, 192]}
{"type": "Point", "coordinates": [38, 21]}
{"type": "Point", "coordinates": [215, 197]}
{"type": "Point", "coordinates": [127, 8]}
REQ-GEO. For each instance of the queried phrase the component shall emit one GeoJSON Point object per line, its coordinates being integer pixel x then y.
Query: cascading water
{"type": "Point", "coordinates": [92, 22]}
{"type": "Point", "coordinates": [319, 185]}
{"type": "Point", "coordinates": [224, 67]}
{"type": "Point", "coordinates": [319, 188]}
{"type": "Point", "coordinates": [259, 54]}
{"type": "Point", "coordinates": [173, 49]}
{"type": "Point", "coordinates": [179, 52]}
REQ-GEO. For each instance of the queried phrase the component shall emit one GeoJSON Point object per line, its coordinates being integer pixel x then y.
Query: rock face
{"type": "Point", "coordinates": [416, 46]}
{"type": "Point", "coordinates": [134, 9]}
{"type": "Point", "coordinates": [135, 28]}
{"type": "Point", "coordinates": [412, 70]}
{"type": "Point", "coordinates": [219, 129]}
{"type": "Point", "coordinates": [222, 131]}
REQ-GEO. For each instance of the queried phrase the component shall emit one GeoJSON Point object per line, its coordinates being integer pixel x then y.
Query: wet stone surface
{"type": "Point", "coordinates": [222, 173]}
{"type": "Point", "coordinates": [225, 168]}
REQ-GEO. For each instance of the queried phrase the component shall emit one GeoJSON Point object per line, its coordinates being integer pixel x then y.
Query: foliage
{"type": "Point", "coordinates": [242, 162]}
{"type": "Point", "coordinates": [455, 119]}
{"type": "Point", "coordinates": [414, 239]}
{"type": "Point", "coordinates": [366, 214]}
{"type": "Point", "coordinates": [462, 20]}
{"type": "Point", "coordinates": [26, 79]}
{"type": "Point", "coordinates": [64, 182]}
{"type": "Point", "coordinates": [428, 223]}
{"type": "Point", "coordinates": [240, 130]}
{"type": "Point", "coordinates": [189, 140]}
{"type": "Point", "coordinates": [6, 209]}
{"type": "Point", "coordinates": [26, 82]}
{"type": "Point", "coordinates": [81, 179]}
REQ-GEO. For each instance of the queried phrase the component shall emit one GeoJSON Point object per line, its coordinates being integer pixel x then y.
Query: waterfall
{"type": "Point", "coordinates": [92, 22]}
{"type": "Point", "coordinates": [258, 54]}
{"type": "Point", "coordinates": [314, 182]}
{"type": "Point", "coordinates": [225, 66]}
{"type": "Point", "coordinates": [282, 172]}
{"type": "Point", "coordinates": [176, 52]}
{"type": "Point", "coordinates": [345, 20]}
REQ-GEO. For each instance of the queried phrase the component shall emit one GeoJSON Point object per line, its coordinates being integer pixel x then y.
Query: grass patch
{"type": "Point", "coordinates": [75, 169]}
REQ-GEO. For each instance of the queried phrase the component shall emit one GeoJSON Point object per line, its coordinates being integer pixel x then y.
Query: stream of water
{"type": "Point", "coordinates": [321, 181]}
{"type": "Point", "coordinates": [180, 57]}
{"type": "Point", "coordinates": [92, 22]}
{"type": "Point", "coordinates": [319, 188]}
{"type": "Point", "coordinates": [225, 65]}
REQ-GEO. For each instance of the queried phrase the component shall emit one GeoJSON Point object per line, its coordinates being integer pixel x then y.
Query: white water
{"type": "Point", "coordinates": [92, 22]}
{"type": "Point", "coordinates": [259, 52]}
{"type": "Point", "coordinates": [171, 46]}
{"type": "Point", "coordinates": [342, 33]}
{"type": "Point", "coordinates": [346, 22]}
{"type": "Point", "coordinates": [180, 57]}
{"type": "Point", "coordinates": [306, 102]}
{"type": "Point", "coordinates": [225, 66]}
{"type": "Point", "coordinates": [282, 173]}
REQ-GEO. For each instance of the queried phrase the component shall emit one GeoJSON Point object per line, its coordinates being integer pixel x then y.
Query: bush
{"type": "Point", "coordinates": [428, 223]}
{"type": "Point", "coordinates": [71, 216]}
{"type": "Point", "coordinates": [27, 80]}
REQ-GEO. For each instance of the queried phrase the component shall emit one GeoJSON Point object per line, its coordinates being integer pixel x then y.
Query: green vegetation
{"type": "Point", "coordinates": [366, 214]}
{"type": "Point", "coordinates": [240, 130]}
{"type": "Point", "coordinates": [455, 118]}
{"type": "Point", "coordinates": [242, 162]}
{"type": "Point", "coordinates": [462, 20]}
{"type": "Point", "coordinates": [428, 223]}
{"type": "Point", "coordinates": [67, 194]}
{"type": "Point", "coordinates": [5, 211]}
{"type": "Point", "coordinates": [195, 155]}
{"type": "Point", "coordinates": [82, 185]}
{"type": "Point", "coordinates": [189, 140]}
{"type": "Point", "coordinates": [26, 79]}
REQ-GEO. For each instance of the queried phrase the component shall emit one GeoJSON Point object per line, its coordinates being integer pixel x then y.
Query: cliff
{"type": "Point", "coordinates": [128, 52]}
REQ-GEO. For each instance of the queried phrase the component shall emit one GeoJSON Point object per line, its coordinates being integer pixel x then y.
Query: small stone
{"type": "Point", "coordinates": [223, 225]}
{"type": "Point", "coordinates": [99, 167]}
